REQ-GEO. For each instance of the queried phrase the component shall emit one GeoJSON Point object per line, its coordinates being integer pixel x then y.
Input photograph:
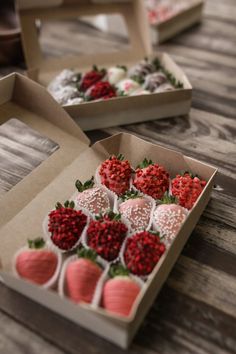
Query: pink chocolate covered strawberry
{"type": "Point", "coordinates": [142, 252]}
{"type": "Point", "coordinates": [168, 218]}
{"type": "Point", "coordinates": [92, 198]}
{"type": "Point", "coordinates": [187, 189]}
{"type": "Point", "coordinates": [82, 275]}
{"type": "Point", "coordinates": [37, 264]}
{"type": "Point", "coordinates": [120, 292]}
{"type": "Point", "coordinates": [115, 174]}
{"type": "Point", "coordinates": [151, 179]}
{"type": "Point", "coordinates": [106, 234]}
{"type": "Point", "coordinates": [66, 225]}
{"type": "Point", "coordinates": [136, 208]}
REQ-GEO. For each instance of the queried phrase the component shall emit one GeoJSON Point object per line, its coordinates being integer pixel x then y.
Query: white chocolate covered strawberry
{"type": "Point", "coordinates": [116, 74]}
{"type": "Point", "coordinates": [127, 86]}
{"type": "Point", "coordinates": [120, 292]}
{"type": "Point", "coordinates": [92, 198]}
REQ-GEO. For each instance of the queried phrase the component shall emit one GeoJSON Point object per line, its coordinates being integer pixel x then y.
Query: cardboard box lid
{"type": "Point", "coordinates": [29, 102]}
{"type": "Point", "coordinates": [133, 12]}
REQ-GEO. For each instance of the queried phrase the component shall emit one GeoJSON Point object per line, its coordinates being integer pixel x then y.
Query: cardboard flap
{"type": "Point", "coordinates": [133, 12]}
{"type": "Point", "coordinates": [30, 103]}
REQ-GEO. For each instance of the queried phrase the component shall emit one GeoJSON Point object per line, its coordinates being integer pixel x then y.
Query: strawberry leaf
{"type": "Point", "coordinates": [132, 194]}
{"type": "Point", "coordinates": [118, 270]}
{"type": "Point", "coordinates": [87, 253]}
{"type": "Point", "coordinates": [87, 185]}
{"type": "Point", "coordinates": [37, 243]}
{"type": "Point", "coordinates": [145, 163]}
{"type": "Point", "coordinates": [169, 199]}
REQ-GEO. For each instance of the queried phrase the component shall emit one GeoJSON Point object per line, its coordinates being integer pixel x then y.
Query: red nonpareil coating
{"type": "Point", "coordinates": [106, 235]}
{"type": "Point", "coordinates": [169, 219]}
{"type": "Point", "coordinates": [119, 295]}
{"type": "Point", "coordinates": [36, 264]}
{"type": "Point", "coordinates": [151, 179]}
{"type": "Point", "coordinates": [91, 77]}
{"type": "Point", "coordinates": [187, 189]}
{"type": "Point", "coordinates": [66, 225]}
{"type": "Point", "coordinates": [81, 279]}
{"type": "Point", "coordinates": [137, 210]}
{"type": "Point", "coordinates": [102, 89]}
{"type": "Point", "coordinates": [142, 252]}
{"type": "Point", "coordinates": [115, 174]}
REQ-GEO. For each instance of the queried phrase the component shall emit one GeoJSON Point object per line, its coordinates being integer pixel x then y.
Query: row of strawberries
{"type": "Point", "coordinates": [106, 235]}
{"type": "Point", "coordinates": [147, 76]}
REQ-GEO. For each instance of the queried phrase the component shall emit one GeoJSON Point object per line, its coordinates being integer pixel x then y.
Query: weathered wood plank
{"type": "Point", "coordinates": [16, 338]}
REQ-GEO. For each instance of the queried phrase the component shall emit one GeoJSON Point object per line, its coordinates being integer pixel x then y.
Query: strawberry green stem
{"type": "Point", "coordinates": [37, 243]}
{"type": "Point", "coordinates": [169, 199]}
{"type": "Point", "coordinates": [88, 254]}
{"type": "Point", "coordinates": [145, 163]}
{"type": "Point", "coordinates": [83, 186]}
{"type": "Point", "coordinates": [118, 270]}
{"type": "Point", "coordinates": [132, 194]}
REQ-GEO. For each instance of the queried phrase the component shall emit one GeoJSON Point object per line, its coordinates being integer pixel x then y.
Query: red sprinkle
{"type": "Point", "coordinates": [102, 89]}
{"type": "Point", "coordinates": [90, 79]}
{"type": "Point", "coordinates": [187, 189]}
{"type": "Point", "coordinates": [66, 226]}
{"type": "Point", "coordinates": [142, 252]}
{"type": "Point", "coordinates": [106, 236]}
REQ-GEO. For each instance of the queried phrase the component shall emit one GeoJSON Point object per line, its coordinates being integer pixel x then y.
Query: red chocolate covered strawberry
{"type": "Point", "coordinates": [120, 292]}
{"type": "Point", "coordinates": [115, 174]}
{"type": "Point", "coordinates": [92, 198]}
{"type": "Point", "coordinates": [142, 252]}
{"type": "Point", "coordinates": [102, 89]}
{"type": "Point", "coordinates": [66, 225]}
{"type": "Point", "coordinates": [151, 179]}
{"type": "Point", "coordinates": [37, 263]}
{"type": "Point", "coordinates": [82, 275]}
{"type": "Point", "coordinates": [137, 209]}
{"type": "Point", "coordinates": [106, 234]}
{"type": "Point", "coordinates": [90, 78]}
{"type": "Point", "coordinates": [187, 189]}
{"type": "Point", "coordinates": [168, 218]}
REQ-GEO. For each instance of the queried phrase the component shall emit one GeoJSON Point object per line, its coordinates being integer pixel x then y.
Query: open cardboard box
{"type": "Point", "coordinates": [187, 17]}
{"type": "Point", "coordinates": [23, 209]}
{"type": "Point", "coordinates": [100, 114]}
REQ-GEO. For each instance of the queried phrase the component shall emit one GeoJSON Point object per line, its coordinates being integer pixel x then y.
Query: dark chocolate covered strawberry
{"type": "Point", "coordinates": [115, 174]}
{"type": "Point", "coordinates": [187, 188]}
{"type": "Point", "coordinates": [36, 263]}
{"type": "Point", "coordinates": [151, 179]}
{"type": "Point", "coordinates": [106, 234]}
{"type": "Point", "coordinates": [91, 197]}
{"type": "Point", "coordinates": [82, 275]}
{"type": "Point", "coordinates": [136, 208]}
{"type": "Point", "coordinates": [142, 252]}
{"type": "Point", "coordinates": [120, 291]}
{"type": "Point", "coordinates": [66, 225]}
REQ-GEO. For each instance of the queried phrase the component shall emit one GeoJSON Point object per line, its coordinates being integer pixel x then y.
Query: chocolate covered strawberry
{"type": "Point", "coordinates": [142, 252]}
{"type": "Point", "coordinates": [101, 90]}
{"type": "Point", "coordinates": [151, 179]}
{"type": "Point", "coordinates": [66, 225]}
{"type": "Point", "coordinates": [187, 188]}
{"type": "Point", "coordinates": [82, 275]}
{"type": "Point", "coordinates": [91, 78]}
{"type": "Point", "coordinates": [120, 292]}
{"type": "Point", "coordinates": [37, 264]}
{"type": "Point", "coordinates": [168, 218]}
{"type": "Point", "coordinates": [106, 234]}
{"type": "Point", "coordinates": [136, 208]}
{"type": "Point", "coordinates": [92, 198]}
{"type": "Point", "coordinates": [115, 174]}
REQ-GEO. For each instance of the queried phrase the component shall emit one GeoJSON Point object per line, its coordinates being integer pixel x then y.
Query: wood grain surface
{"type": "Point", "coordinates": [196, 309]}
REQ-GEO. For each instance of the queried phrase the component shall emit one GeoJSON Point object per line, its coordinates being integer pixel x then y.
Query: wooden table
{"type": "Point", "coordinates": [196, 309]}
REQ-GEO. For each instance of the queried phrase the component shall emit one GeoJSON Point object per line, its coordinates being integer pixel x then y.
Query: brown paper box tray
{"type": "Point", "coordinates": [96, 115]}
{"type": "Point", "coordinates": [18, 225]}
{"type": "Point", "coordinates": [178, 23]}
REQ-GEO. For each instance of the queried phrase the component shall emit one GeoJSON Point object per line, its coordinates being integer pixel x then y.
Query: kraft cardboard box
{"type": "Point", "coordinates": [97, 114]}
{"type": "Point", "coordinates": [28, 204]}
